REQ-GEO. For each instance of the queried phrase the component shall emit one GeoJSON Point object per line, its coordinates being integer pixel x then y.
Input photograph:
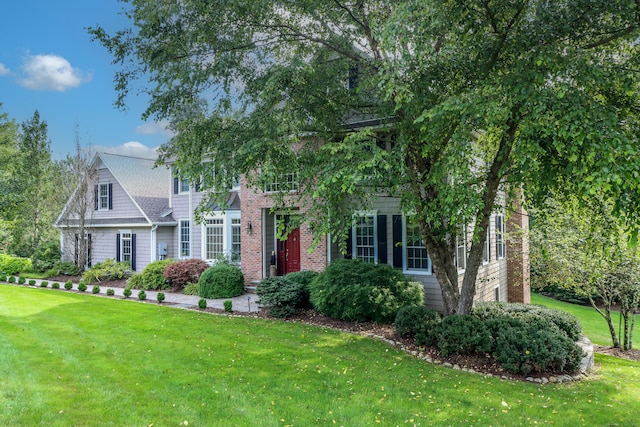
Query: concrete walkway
{"type": "Point", "coordinates": [244, 303]}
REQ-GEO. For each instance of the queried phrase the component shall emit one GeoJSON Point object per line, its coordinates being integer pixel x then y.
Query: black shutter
{"type": "Point", "coordinates": [110, 196]}
{"type": "Point", "coordinates": [176, 185]}
{"type": "Point", "coordinates": [97, 195]}
{"type": "Point", "coordinates": [75, 251]}
{"type": "Point", "coordinates": [89, 249]}
{"type": "Point", "coordinates": [118, 247]}
{"type": "Point", "coordinates": [397, 241]}
{"type": "Point", "coordinates": [133, 252]}
{"type": "Point", "coordinates": [382, 238]}
{"type": "Point", "coordinates": [349, 253]}
{"type": "Point", "coordinates": [198, 187]}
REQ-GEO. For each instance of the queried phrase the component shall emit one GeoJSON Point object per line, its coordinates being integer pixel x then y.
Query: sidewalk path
{"type": "Point", "coordinates": [244, 303]}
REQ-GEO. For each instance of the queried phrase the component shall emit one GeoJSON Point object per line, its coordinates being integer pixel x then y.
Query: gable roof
{"type": "Point", "coordinates": [147, 185]}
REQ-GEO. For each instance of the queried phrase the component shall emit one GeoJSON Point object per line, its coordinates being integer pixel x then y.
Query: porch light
{"type": "Point", "coordinates": [249, 228]}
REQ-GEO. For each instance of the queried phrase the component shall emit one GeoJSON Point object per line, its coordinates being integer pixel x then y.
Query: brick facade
{"type": "Point", "coordinates": [517, 228]}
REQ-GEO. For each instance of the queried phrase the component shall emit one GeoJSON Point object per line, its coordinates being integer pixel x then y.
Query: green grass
{"type": "Point", "coordinates": [593, 325]}
{"type": "Point", "coordinates": [75, 359]}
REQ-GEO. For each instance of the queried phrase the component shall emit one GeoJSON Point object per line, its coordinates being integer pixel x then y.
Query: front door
{"type": "Point", "coordinates": [289, 253]}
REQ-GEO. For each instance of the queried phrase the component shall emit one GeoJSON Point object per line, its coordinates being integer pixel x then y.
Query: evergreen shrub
{"type": "Point", "coordinates": [44, 284]}
{"type": "Point", "coordinates": [152, 277]}
{"type": "Point", "coordinates": [160, 297]}
{"type": "Point", "coordinates": [228, 306]}
{"type": "Point", "coordinates": [142, 295]}
{"type": "Point", "coordinates": [357, 291]}
{"type": "Point", "coordinates": [12, 279]}
{"type": "Point", "coordinates": [464, 334]}
{"type": "Point", "coordinates": [304, 279]}
{"type": "Point", "coordinates": [22, 280]}
{"type": "Point", "coordinates": [32, 282]}
{"type": "Point", "coordinates": [280, 296]}
{"type": "Point", "coordinates": [107, 270]}
{"type": "Point", "coordinates": [418, 322]}
{"type": "Point", "coordinates": [12, 265]}
{"type": "Point", "coordinates": [126, 292]}
{"type": "Point", "coordinates": [3, 277]}
{"type": "Point", "coordinates": [221, 281]}
{"type": "Point", "coordinates": [68, 285]}
{"type": "Point", "coordinates": [190, 289]}
{"type": "Point", "coordinates": [82, 286]}
{"type": "Point", "coordinates": [202, 303]}
{"type": "Point", "coordinates": [55, 285]}
{"type": "Point", "coordinates": [110, 292]}
{"type": "Point", "coordinates": [95, 289]}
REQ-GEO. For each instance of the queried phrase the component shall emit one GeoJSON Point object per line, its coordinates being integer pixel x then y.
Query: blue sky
{"type": "Point", "coordinates": [48, 63]}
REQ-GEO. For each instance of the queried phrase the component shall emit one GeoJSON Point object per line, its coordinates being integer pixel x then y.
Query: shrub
{"type": "Point", "coordinates": [280, 296]}
{"type": "Point", "coordinates": [202, 303]}
{"type": "Point", "coordinates": [228, 306]}
{"type": "Point", "coordinates": [160, 297]}
{"type": "Point", "coordinates": [32, 282]}
{"type": "Point", "coordinates": [358, 291]}
{"type": "Point", "coordinates": [82, 286]}
{"type": "Point", "coordinates": [126, 292]}
{"type": "Point", "coordinates": [12, 265]}
{"type": "Point", "coordinates": [464, 334]}
{"type": "Point", "coordinates": [418, 322]}
{"type": "Point", "coordinates": [221, 281]}
{"type": "Point", "coordinates": [68, 285]}
{"type": "Point", "coordinates": [55, 285]}
{"type": "Point", "coordinates": [304, 279]}
{"type": "Point", "coordinates": [44, 284]}
{"type": "Point", "coordinates": [46, 256]}
{"type": "Point", "coordinates": [182, 272]}
{"type": "Point", "coordinates": [142, 295]}
{"type": "Point", "coordinates": [3, 277]}
{"type": "Point", "coordinates": [110, 292]}
{"type": "Point", "coordinates": [22, 280]}
{"type": "Point", "coordinates": [107, 270]}
{"type": "Point", "coordinates": [12, 279]}
{"type": "Point", "coordinates": [190, 289]}
{"type": "Point", "coordinates": [63, 268]}
{"type": "Point", "coordinates": [523, 346]}
{"type": "Point", "coordinates": [95, 289]}
{"type": "Point", "coordinates": [152, 277]}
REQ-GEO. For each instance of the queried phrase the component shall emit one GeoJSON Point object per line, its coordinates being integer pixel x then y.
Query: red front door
{"type": "Point", "coordinates": [289, 253]}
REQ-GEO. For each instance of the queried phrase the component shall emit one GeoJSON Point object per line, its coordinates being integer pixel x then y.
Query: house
{"type": "Point", "coordinates": [142, 214]}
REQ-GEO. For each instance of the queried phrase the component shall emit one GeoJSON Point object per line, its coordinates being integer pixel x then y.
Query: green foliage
{"type": "Point", "coordinates": [95, 289]}
{"type": "Point", "coordinates": [280, 295]}
{"type": "Point", "coordinates": [127, 292]}
{"type": "Point", "coordinates": [109, 269]}
{"type": "Point", "coordinates": [228, 306]}
{"type": "Point", "coordinates": [32, 282]}
{"type": "Point", "coordinates": [68, 285]}
{"type": "Point", "coordinates": [111, 292]}
{"type": "Point", "coordinates": [358, 291]}
{"type": "Point", "coordinates": [180, 273]}
{"type": "Point", "coordinates": [12, 265]}
{"type": "Point", "coordinates": [3, 277]}
{"type": "Point", "coordinates": [160, 297]}
{"type": "Point", "coordinates": [82, 286]}
{"type": "Point", "coordinates": [55, 285]}
{"type": "Point", "coordinates": [152, 277]}
{"type": "Point", "coordinates": [44, 284]}
{"type": "Point", "coordinates": [22, 280]}
{"type": "Point", "coordinates": [304, 278]}
{"type": "Point", "coordinates": [46, 256]}
{"type": "Point", "coordinates": [190, 289]}
{"type": "Point", "coordinates": [63, 269]}
{"type": "Point", "coordinates": [12, 279]}
{"type": "Point", "coordinates": [464, 334]}
{"type": "Point", "coordinates": [142, 295]}
{"type": "Point", "coordinates": [221, 281]}
{"type": "Point", "coordinates": [202, 303]}
{"type": "Point", "coordinates": [418, 322]}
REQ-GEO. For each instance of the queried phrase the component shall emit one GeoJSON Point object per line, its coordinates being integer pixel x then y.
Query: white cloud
{"type": "Point", "coordinates": [131, 148]}
{"type": "Point", "coordinates": [155, 128]}
{"type": "Point", "coordinates": [4, 70]}
{"type": "Point", "coordinates": [51, 72]}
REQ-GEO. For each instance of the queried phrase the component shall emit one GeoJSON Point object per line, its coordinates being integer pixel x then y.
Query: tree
{"type": "Point", "coordinates": [472, 98]}
{"type": "Point", "coordinates": [584, 250]}
{"type": "Point", "coordinates": [76, 216]}
{"type": "Point", "coordinates": [8, 154]}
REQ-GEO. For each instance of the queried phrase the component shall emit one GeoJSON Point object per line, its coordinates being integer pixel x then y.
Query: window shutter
{"type": "Point", "coordinates": [382, 238]}
{"type": "Point", "coordinates": [89, 249]}
{"type": "Point", "coordinates": [176, 185]}
{"type": "Point", "coordinates": [118, 247]}
{"type": "Point", "coordinates": [349, 253]}
{"type": "Point", "coordinates": [110, 196]}
{"type": "Point", "coordinates": [96, 193]}
{"type": "Point", "coordinates": [198, 187]}
{"type": "Point", "coordinates": [75, 250]}
{"type": "Point", "coordinates": [397, 241]}
{"type": "Point", "coordinates": [133, 252]}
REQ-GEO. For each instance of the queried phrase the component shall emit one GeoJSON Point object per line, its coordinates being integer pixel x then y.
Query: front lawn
{"type": "Point", "coordinates": [74, 359]}
{"type": "Point", "coordinates": [593, 325]}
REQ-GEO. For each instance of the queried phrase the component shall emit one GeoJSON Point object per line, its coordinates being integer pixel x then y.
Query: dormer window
{"type": "Point", "coordinates": [104, 197]}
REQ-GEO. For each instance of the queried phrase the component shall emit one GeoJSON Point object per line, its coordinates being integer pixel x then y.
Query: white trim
{"type": "Point", "coordinates": [405, 258]}
{"type": "Point", "coordinates": [190, 237]}
{"type": "Point", "coordinates": [227, 219]}
{"type": "Point", "coordinates": [354, 242]}
{"type": "Point", "coordinates": [499, 294]}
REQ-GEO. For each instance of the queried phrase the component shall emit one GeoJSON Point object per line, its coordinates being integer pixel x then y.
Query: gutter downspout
{"type": "Point", "coordinates": [153, 252]}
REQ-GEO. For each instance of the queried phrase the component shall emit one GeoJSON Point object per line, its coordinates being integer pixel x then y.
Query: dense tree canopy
{"type": "Point", "coordinates": [465, 99]}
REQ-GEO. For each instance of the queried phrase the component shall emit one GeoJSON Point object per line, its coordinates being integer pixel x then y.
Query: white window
{"type": "Point", "coordinates": [364, 242]}
{"type": "Point", "coordinates": [222, 237]}
{"type": "Point", "coordinates": [185, 239]}
{"type": "Point", "coordinates": [461, 248]}
{"type": "Point", "coordinates": [486, 250]}
{"type": "Point", "coordinates": [496, 293]}
{"type": "Point", "coordinates": [125, 246]}
{"type": "Point", "coordinates": [184, 186]}
{"type": "Point", "coordinates": [285, 182]}
{"type": "Point", "coordinates": [416, 258]}
{"type": "Point", "coordinates": [501, 244]}
{"type": "Point", "coordinates": [103, 197]}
